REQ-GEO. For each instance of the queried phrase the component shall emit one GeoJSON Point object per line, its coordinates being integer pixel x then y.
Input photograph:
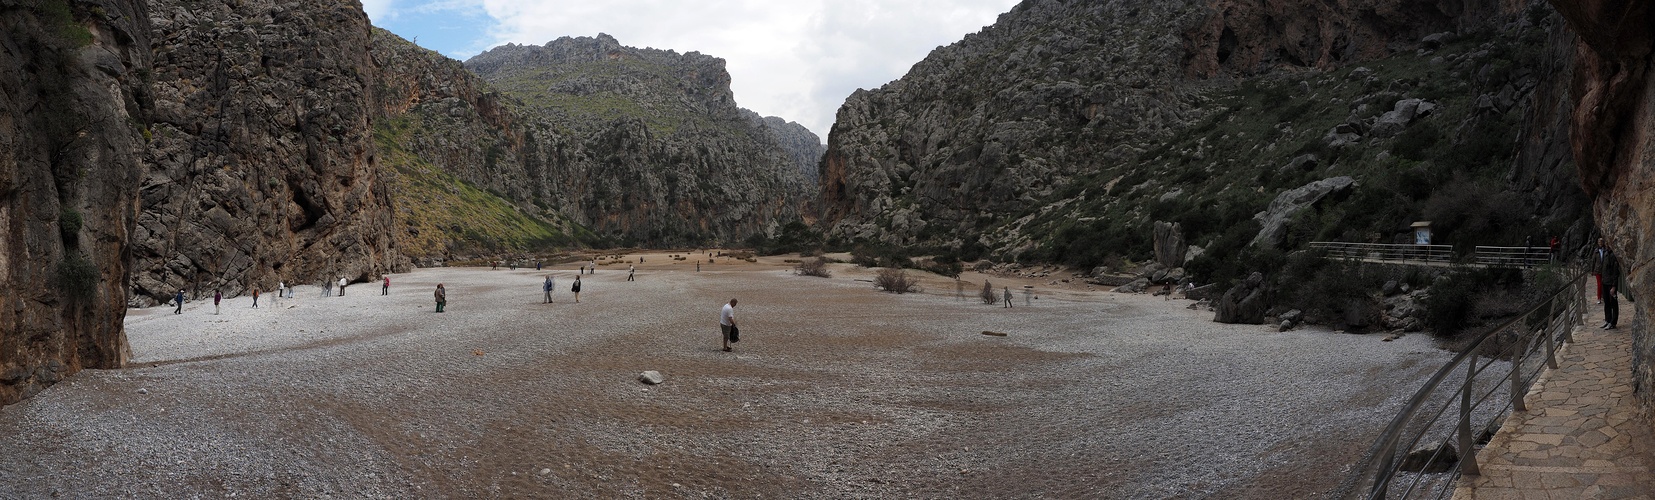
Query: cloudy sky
{"type": "Point", "coordinates": [797, 59]}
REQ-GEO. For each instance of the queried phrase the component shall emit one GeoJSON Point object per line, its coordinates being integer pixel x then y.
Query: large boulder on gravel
{"type": "Point", "coordinates": [1169, 244]}
{"type": "Point", "coordinates": [1273, 220]}
{"type": "Point", "coordinates": [1245, 303]}
{"type": "Point", "coordinates": [1203, 292]}
{"type": "Point", "coordinates": [1136, 286]}
{"type": "Point", "coordinates": [1431, 460]}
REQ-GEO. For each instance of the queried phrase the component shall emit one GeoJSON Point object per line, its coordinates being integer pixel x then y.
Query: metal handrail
{"type": "Point", "coordinates": [1379, 474]}
{"type": "Point", "coordinates": [1513, 256]}
{"type": "Point", "coordinates": [1385, 251]}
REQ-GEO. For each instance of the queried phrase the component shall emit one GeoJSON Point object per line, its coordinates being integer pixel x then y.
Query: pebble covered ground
{"type": "Point", "coordinates": [835, 391]}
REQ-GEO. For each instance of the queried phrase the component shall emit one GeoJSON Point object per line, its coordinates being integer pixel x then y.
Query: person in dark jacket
{"type": "Point", "coordinates": [442, 297]}
{"type": "Point", "coordinates": [1611, 272]}
{"type": "Point", "coordinates": [179, 299]}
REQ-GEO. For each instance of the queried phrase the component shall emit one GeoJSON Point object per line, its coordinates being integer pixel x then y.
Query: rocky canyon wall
{"type": "Point", "coordinates": [1612, 132]}
{"type": "Point", "coordinates": [74, 110]}
{"type": "Point", "coordinates": [645, 146]}
{"type": "Point", "coordinates": [261, 165]}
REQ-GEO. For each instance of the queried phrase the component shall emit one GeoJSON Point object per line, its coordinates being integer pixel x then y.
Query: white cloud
{"type": "Point", "coordinates": [797, 59]}
{"type": "Point", "coordinates": [378, 10]}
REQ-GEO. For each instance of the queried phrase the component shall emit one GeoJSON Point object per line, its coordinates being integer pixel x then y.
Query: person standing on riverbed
{"type": "Point", "coordinates": [442, 297]}
{"type": "Point", "coordinates": [727, 322]}
{"type": "Point", "coordinates": [576, 289]}
{"type": "Point", "coordinates": [218, 295]}
{"type": "Point", "coordinates": [547, 286]}
{"type": "Point", "coordinates": [180, 300]}
{"type": "Point", "coordinates": [1008, 296]}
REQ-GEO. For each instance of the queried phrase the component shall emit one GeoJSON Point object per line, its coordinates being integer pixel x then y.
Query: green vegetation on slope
{"type": "Point", "coordinates": [1450, 167]}
{"type": "Point", "coordinates": [446, 215]}
{"type": "Point", "coordinates": [582, 93]}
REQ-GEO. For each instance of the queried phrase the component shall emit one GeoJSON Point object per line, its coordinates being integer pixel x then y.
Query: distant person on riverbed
{"type": "Point", "coordinates": [385, 289]}
{"type": "Point", "coordinates": [727, 323]}
{"type": "Point", "coordinates": [179, 299]}
{"type": "Point", "coordinates": [327, 288]}
{"type": "Point", "coordinates": [1008, 296]}
{"type": "Point", "coordinates": [342, 284]}
{"type": "Point", "coordinates": [218, 295]}
{"type": "Point", "coordinates": [442, 297]}
{"type": "Point", "coordinates": [1611, 280]}
{"type": "Point", "coordinates": [255, 297]}
{"type": "Point", "coordinates": [547, 286]}
{"type": "Point", "coordinates": [576, 289]}
{"type": "Point", "coordinates": [629, 271]}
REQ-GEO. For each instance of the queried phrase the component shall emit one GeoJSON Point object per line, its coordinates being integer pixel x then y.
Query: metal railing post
{"type": "Point", "coordinates": [1517, 380]}
{"type": "Point", "coordinates": [1468, 456]}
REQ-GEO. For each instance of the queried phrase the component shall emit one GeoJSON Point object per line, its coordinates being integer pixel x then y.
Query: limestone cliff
{"type": "Point", "coordinates": [1613, 138]}
{"type": "Point", "coordinates": [466, 163]}
{"type": "Point", "coordinates": [262, 164]}
{"type": "Point", "coordinates": [1063, 131]}
{"type": "Point", "coordinates": [643, 146]}
{"type": "Point", "coordinates": [74, 112]}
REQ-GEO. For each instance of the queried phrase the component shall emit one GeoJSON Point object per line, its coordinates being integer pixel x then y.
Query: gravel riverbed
{"type": "Point", "coordinates": [835, 391]}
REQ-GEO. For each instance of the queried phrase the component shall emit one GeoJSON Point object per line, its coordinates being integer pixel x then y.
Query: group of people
{"type": "Point", "coordinates": [1606, 267]}
{"type": "Point", "coordinates": [282, 290]}
{"type": "Point", "coordinates": [551, 284]}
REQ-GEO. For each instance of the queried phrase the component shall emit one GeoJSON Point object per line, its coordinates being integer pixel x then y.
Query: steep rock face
{"type": "Point", "coordinates": [1007, 115]}
{"type": "Point", "coordinates": [644, 146]}
{"type": "Point", "coordinates": [1251, 36]}
{"type": "Point", "coordinates": [467, 166]}
{"type": "Point", "coordinates": [803, 147]}
{"type": "Point", "coordinates": [73, 109]}
{"type": "Point", "coordinates": [1613, 139]}
{"type": "Point", "coordinates": [1012, 117]}
{"type": "Point", "coordinates": [262, 165]}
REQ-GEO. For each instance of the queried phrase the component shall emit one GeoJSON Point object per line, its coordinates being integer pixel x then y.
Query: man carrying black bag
{"type": "Point", "coordinates": [727, 324]}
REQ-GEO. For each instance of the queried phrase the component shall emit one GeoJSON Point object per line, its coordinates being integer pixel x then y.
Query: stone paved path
{"type": "Point", "coordinates": [1584, 435]}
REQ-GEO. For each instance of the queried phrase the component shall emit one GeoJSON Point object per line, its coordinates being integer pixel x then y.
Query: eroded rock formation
{"type": "Point", "coordinates": [261, 166]}
{"type": "Point", "coordinates": [647, 146]}
{"type": "Point", "coordinates": [1613, 139]}
{"type": "Point", "coordinates": [74, 111]}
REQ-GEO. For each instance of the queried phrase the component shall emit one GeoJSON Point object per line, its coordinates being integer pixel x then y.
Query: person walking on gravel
{"type": "Point", "coordinates": [218, 295]}
{"type": "Point", "coordinates": [179, 299]}
{"type": "Point", "coordinates": [1008, 296]}
{"type": "Point", "coordinates": [342, 284]}
{"type": "Point", "coordinates": [255, 297]}
{"type": "Point", "coordinates": [629, 271]}
{"type": "Point", "coordinates": [442, 297]}
{"type": "Point", "coordinates": [727, 322]}
{"type": "Point", "coordinates": [548, 286]}
{"type": "Point", "coordinates": [327, 287]}
{"type": "Point", "coordinates": [385, 289]}
{"type": "Point", "coordinates": [576, 289]}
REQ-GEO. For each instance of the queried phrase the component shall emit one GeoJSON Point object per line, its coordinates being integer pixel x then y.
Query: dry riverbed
{"type": "Point", "coordinates": [836, 390]}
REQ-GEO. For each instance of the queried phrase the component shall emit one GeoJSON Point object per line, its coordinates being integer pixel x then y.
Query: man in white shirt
{"type": "Point", "coordinates": [727, 322]}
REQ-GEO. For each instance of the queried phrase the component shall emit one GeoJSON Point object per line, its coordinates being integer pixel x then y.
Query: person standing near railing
{"type": "Point", "coordinates": [1598, 257]}
{"type": "Point", "coordinates": [1611, 278]}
